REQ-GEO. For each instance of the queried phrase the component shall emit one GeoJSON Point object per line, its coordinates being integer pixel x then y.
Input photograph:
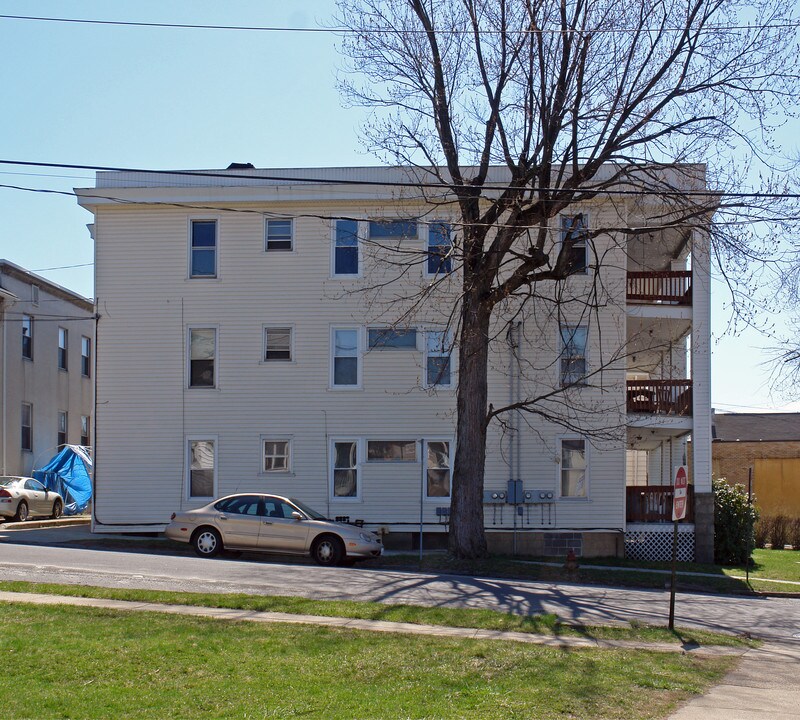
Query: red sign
{"type": "Point", "coordinates": [679, 495]}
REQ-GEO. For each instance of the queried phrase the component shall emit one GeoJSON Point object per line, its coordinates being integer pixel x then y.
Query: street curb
{"type": "Point", "coordinates": [33, 524]}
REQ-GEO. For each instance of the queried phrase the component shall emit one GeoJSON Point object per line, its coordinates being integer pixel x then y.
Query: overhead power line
{"type": "Point", "coordinates": [338, 30]}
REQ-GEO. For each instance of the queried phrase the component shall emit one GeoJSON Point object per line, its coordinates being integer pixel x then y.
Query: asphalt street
{"type": "Point", "coordinates": [767, 617]}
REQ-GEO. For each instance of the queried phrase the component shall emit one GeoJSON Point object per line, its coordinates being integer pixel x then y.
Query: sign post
{"type": "Point", "coordinates": [680, 491]}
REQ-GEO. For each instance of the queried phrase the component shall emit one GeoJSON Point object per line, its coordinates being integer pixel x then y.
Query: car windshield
{"type": "Point", "coordinates": [313, 514]}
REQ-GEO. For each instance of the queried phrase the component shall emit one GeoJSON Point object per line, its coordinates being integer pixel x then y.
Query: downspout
{"type": "Point", "coordinates": [4, 426]}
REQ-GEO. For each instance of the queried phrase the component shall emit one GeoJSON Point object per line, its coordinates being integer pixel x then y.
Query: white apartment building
{"type": "Point", "coordinates": [289, 331]}
{"type": "Point", "coordinates": [47, 356]}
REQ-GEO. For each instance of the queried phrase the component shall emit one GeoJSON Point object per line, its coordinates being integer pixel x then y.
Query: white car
{"type": "Point", "coordinates": [24, 497]}
{"type": "Point", "coordinates": [270, 523]}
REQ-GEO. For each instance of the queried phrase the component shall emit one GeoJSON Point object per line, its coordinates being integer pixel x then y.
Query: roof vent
{"type": "Point", "coordinates": [241, 166]}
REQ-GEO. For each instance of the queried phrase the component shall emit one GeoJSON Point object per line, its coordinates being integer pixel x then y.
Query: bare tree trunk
{"type": "Point", "coordinates": [467, 538]}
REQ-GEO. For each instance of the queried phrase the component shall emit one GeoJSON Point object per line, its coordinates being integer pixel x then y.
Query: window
{"type": "Point", "coordinates": [276, 456]}
{"type": "Point", "coordinates": [27, 427]}
{"type": "Point", "coordinates": [386, 338]}
{"type": "Point", "coordinates": [63, 342]}
{"type": "Point", "coordinates": [437, 459]}
{"type": "Point", "coordinates": [62, 428]}
{"type": "Point", "coordinates": [279, 235]}
{"type": "Point", "coordinates": [86, 438]}
{"type": "Point", "coordinates": [34, 294]}
{"type": "Point", "coordinates": [202, 468]}
{"type": "Point", "coordinates": [574, 230]}
{"type": "Point", "coordinates": [573, 467]}
{"type": "Point", "coordinates": [573, 354]}
{"type": "Point", "coordinates": [345, 469]}
{"type": "Point", "coordinates": [86, 356]}
{"type": "Point", "coordinates": [391, 451]}
{"type": "Point", "coordinates": [439, 261]}
{"type": "Point", "coordinates": [345, 358]}
{"type": "Point", "coordinates": [202, 354]}
{"type": "Point", "coordinates": [27, 337]}
{"type": "Point", "coordinates": [345, 248]}
{"type": "Point", "coordinates": [383, 229]}
{"type": "Point", "coordinates": [203, 261]}
{"type": "Point", "coordinates": [437, 358]}
{"type": "Point", "coordinates": [277, 343]}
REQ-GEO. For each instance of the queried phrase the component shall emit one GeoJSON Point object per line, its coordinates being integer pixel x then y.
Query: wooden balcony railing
{"type": "Point", "coordinates": [653, 504]}
{"type": "Point", "coordinates": [672, 287]}
{"type": "Point", "coordinates": [660, 397]}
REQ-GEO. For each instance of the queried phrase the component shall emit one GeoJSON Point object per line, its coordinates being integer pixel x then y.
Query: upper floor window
{"type": "Point", "coordinates": [345, 248]}
{"type": "Point", "coordinates": [391, 451]}
{"type": "Point", "coordinates": [573, 354]}
{"type": "Point", "coordinates": [203, 261]}
{"type": "Point", "coordinates": [34, 294]}
{"type": "Point", "coordinates": [27, 337]}
{"type": "Point", "coordinates": [26, 423]}
{"type": "Point", "coordinates": [277, 343]}
{"type": "Point", "coordinates": [437, 469]}
{"type": "Point", "coordinates": [63, 344]}
{"type": "Point", "coordinates": [573, 467]}
{"type": "Point", "coordinates": [439, 260]}
{"type": "Point", "coordinates": [279, 234]}
{"type": "Point", "coordinates": [202, 357]}
{"type": "Point", "coordinates": [389, 338]}
{"type": "Point", "coordinates": [85, 430]}
{"type": "Point", "coordinates": [574, 230]}
{"type": "Point", "coordinates": [62, 428]}
{"type": "Point", "coordinates": [345, 357]}
{"type": "Point", "coordinates": [437, 358]}
{"type": "Point", "coordinates": [392, 229]}
{"type": "Point", "coordinates": [86, 356]}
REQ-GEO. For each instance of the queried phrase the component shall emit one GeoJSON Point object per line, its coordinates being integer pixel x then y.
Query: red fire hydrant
{"type": "Point", "coordinates": [572, 561]}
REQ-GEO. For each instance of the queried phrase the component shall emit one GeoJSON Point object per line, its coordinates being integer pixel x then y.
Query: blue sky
{"type": "Point", "coordinates": [183, 99]}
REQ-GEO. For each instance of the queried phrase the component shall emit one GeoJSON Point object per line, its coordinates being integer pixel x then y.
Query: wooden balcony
{"type": "Point", "coordinates": [669, 287]}
{"type": "Point", "coordinates": [653, 504]}
{"type": "Point", "coordinates": [660, 397]}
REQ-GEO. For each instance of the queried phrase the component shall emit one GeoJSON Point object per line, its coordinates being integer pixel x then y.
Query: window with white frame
{"type": "Point", "coordinates": [26, 423]}
{"type": "Point", "coordinates": [63, 344]}
{"type": "Point", "coordinates": [277, 343]}
{"type": "Point", "coordinates": [392, 229]}
{"type": "Point", "coordinates": [438, 348]}
{"type": "Point", "coordinates": [86, 356]}
{"type": "Point", "coordinates": [86, 438]}
{"type": "Point", "coordinates": [437, 469]}
{"type": "Point", "coordinates": [392, 339]}
{"type": "Point", "coordinates": [345, 248]}
{"type": "Point", "coordinates": [440, 247]}
{"type": "Point", "coordinates": [391, 451]}
{"type": "Point", "coordinates": [276, 456]}
{"type": "Point", "coordinates": [573, 467]}
{"type": "Point", "coordinates": [202, 467]}
{"type": "Point", "coordinates": [35, 294]}
{"type": "Point", "coordinates": [345, 369]}
{"type": "Point", "coordinates": [202, 357]}
{"type": "Point", "coordinates": [27, 337]}
{"type": "Point", "coordinates": [574, 232]}
{"type": "Point", "coordinates": [573, 353]}
{"type": "Point", "coordinates": [62, 428]}
{"type": "Point", "coordinates": [203, 252]}
{"type": "Point", "coordinates": [345, 469]}
{"type": "Point", "coordinates": [279, 234]}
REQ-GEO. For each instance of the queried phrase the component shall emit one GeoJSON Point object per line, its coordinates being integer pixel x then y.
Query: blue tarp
{"type": "Point", "coordinates": [68, 474]}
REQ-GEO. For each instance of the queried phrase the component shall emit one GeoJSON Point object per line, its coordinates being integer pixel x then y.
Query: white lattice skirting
{"type": "Point", "coordinates": [654, 542]}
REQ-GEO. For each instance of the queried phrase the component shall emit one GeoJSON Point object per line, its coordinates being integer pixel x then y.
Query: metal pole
{"type": "Point", "coordinates": [672, 579]}
{"type": "Point", "coordinates": [749, 523]}
{"type": "Point", "coordinates": [421, 496]}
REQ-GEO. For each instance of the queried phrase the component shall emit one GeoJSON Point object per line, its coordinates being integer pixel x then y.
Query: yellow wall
{"type": "Point", "coordinates": [776, 484]}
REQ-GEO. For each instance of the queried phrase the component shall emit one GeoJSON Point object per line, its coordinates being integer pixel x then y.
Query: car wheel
{"type": "Point", "coordinates": [327, 550]}
{"type": "Point", "coordinates": [207, 542]}
{"type": "Point", "coordinates": [22, 511]}
{"type": "Point", "coordinates": [57, 509]}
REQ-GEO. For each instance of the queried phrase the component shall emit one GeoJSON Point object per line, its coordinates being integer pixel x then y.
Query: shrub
{"type": "Point", "coordinates": [763, 530]}
{"type": "Point", "coordinates": [794, 533]}
{"type": "Point", "coordinates": [779, 532]}
{"type": "Point", "coordinates": [734, 521]}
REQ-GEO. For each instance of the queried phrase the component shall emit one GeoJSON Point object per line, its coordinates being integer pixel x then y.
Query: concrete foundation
{"type": "Point", "coordinates": [704, 527]}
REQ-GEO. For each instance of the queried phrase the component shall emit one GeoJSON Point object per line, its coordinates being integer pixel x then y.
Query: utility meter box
{"type": "Point", "coordinates": [514, 492]}
{"type": "Point", "coordinates": [493, 497]}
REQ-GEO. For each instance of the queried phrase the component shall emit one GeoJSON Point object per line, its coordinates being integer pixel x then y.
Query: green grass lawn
{"type": "Point", "coordinates": [546, 624]}
{"type": "Point", "coordinates": [65, 662]}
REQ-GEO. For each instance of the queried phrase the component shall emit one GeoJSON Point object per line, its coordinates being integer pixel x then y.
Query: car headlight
{"type": "Point", "coordinates": [366, 538]}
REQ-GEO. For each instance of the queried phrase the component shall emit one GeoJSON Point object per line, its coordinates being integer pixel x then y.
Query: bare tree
{"type": "Point", "coordinates": [517, 110]}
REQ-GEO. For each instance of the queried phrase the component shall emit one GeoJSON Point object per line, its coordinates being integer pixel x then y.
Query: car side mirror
{"type": "Point", "coordinates": [296, 515]}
